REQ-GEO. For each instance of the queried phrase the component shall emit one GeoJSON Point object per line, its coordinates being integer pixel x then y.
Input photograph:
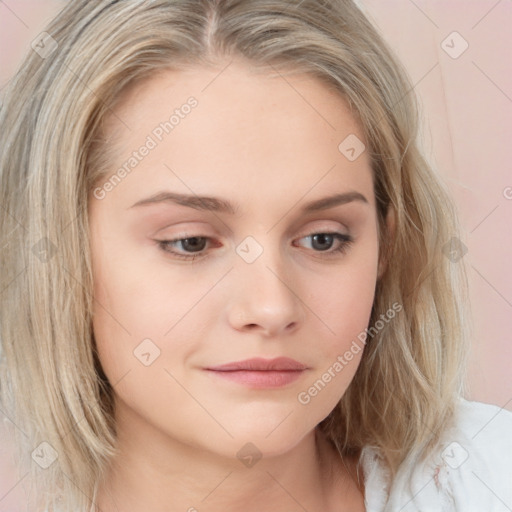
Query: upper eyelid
{"type": "Point", "coordinates": [306, 232]}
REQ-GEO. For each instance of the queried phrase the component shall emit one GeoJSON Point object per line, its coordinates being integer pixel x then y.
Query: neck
{"type": "Point", "coordinates": [154, 472]}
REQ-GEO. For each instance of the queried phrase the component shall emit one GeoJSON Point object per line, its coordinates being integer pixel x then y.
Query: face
{"type": "Point", "coordinates": [264, 267]}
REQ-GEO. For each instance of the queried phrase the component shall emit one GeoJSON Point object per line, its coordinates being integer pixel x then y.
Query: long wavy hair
{"type": "Point", "coordinates": [52, 154]}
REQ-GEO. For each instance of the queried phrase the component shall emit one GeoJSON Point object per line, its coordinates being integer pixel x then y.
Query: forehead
{"type": "Point", "coordinates": [281, 134]}
{"type": "Point", "coordinates": [264, 92]}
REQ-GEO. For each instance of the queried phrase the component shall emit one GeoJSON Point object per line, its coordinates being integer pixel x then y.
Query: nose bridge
{"type": "Point", "coordinates": [263, 294]}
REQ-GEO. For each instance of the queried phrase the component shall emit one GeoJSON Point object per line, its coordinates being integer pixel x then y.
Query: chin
{"type": "Point", "coordinates": [266, 442]}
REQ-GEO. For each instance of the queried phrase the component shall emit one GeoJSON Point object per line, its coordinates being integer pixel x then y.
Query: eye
{"type": "Point", "coordinates": [323, 242]}
{"type": "Point", "coordinates": [191, 246]}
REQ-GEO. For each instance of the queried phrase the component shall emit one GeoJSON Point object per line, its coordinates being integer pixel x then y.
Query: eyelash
{"type": "Point", "coordinates": [346, 241]}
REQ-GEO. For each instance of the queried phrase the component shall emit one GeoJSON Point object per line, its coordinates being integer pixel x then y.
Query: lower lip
{"type": "Point", "coordinates": [260, 379]}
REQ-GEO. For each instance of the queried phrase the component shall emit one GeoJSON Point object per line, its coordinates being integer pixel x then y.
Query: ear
{"type": "Point", "coordinates": [385, 250]}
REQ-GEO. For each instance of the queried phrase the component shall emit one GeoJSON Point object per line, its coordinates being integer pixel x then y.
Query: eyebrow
{"type": "Point", "coordinates": [215, 204]}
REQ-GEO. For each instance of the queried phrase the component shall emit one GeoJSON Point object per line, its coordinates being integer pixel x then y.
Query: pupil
{"type": "Point", "coordinates": [194, 243]}
{"type": "Point", "coordinates": [322, 239]}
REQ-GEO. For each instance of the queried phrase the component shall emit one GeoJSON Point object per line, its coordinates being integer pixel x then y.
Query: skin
{"type": "Point", "coordinates": [270, 145]}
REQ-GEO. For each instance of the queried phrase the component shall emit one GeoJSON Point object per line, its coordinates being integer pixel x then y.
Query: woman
{"type": "Point", "coordinates": [231, 280]}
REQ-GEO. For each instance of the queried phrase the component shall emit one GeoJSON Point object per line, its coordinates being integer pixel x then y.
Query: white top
{"type": "Point", "coordinates": [470, 472]}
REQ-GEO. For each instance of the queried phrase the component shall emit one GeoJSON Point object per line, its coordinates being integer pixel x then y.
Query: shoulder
{"type": "Point", "coordinates": [480, 442]}
{"type": "Point", "coordinates": [476, 457]}
{"type": "Point", "coordinates": [470, 469]}
{"type": "Point", "coordinates": [478, 419]}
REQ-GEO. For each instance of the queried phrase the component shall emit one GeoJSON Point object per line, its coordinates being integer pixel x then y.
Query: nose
{"type": "Point", "coordinates": [263, 297]}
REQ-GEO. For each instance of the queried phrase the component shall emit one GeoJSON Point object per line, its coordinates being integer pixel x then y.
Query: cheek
{"type": "Point", "coordinates": [342, 301]}
{"type": "Point", "coordinates": [136, 300]}
{"type": "Point", "coordinates": [344, 298]}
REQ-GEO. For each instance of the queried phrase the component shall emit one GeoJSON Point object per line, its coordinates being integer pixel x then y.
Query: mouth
{"type": "Point", "coordinates": [258, 373]}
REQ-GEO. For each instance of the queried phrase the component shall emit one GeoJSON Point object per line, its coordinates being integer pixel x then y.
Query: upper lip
{"type": "Point", "coordinates": [261, 364]}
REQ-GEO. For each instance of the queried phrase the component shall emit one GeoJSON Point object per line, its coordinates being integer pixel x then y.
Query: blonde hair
{"type": "Point", "coordinates": [412, 371]}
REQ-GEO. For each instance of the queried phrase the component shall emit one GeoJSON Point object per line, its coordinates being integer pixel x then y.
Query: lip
{"type": "Point", "coordinates": [260, 364]}
{"type": "Point", "coordinates": [259, 373]}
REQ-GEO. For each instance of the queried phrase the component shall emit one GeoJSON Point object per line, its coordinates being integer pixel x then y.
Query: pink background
{"type": "Point", "coordinates": [467, 105]}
